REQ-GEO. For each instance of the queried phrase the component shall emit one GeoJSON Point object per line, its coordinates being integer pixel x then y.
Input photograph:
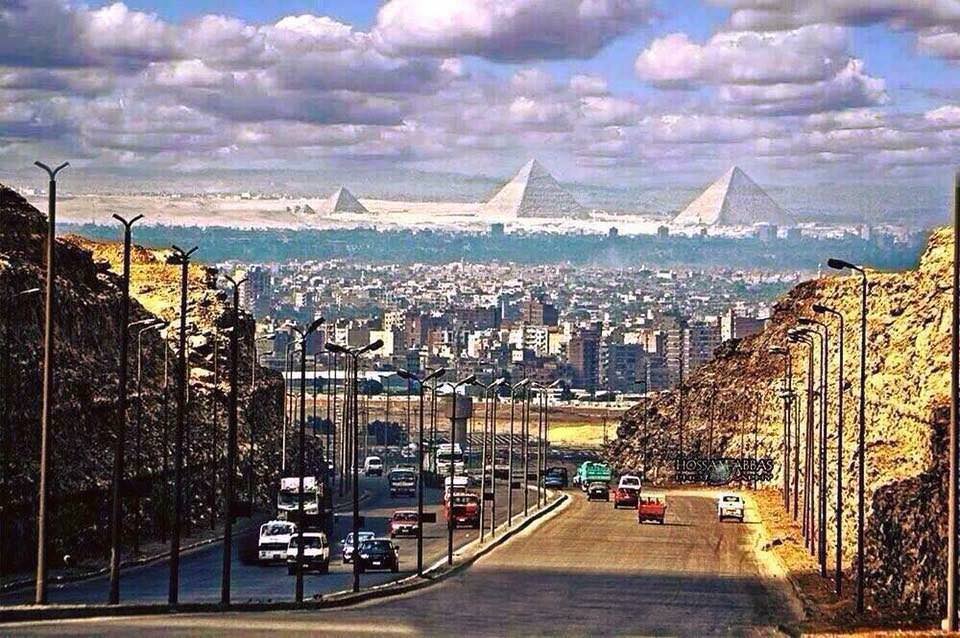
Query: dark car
{"type": "Point", "coordinates": [379, 554]}
{"type": "Point", "coordinates": [598, 491]}
{"type": "Point", "coordinates": [556, 477]}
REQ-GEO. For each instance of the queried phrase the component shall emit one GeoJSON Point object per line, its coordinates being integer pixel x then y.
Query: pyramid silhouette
{"type": "Point", "coordinates": [533, 192]}
{"type": "Point", "coordinates": [733, 200]}
{"type": "Point", "coordinates": [342, 201]}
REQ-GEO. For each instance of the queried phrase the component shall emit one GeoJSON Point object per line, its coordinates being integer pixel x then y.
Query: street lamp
{"type": "Point", "coordinates": [453, 466]}
{"type": "Point", "coordinates": [40, 592]}
{"type": "Point", "coordinates": [822, 471]}
{"type": "Point", "coordinates": [301, 540]}
{"type": "Point", "coordinates": [256, 358]}
{"type": "Point", "coordinates": [355, 354]}
{"type": "Point", "coordinates": [182, 258]}
{"type": "Point", "coordinates": [520, 385]}
{"type": "Point", "coordinates": [803, 336]}
{"type": "Point", "coordinates": [487, 391]}
{"type": "Point", "coordinates": [121, 424]}
{"type": "Point", "coordinates": [839, 264]}
{"type": "Point", "coordinates": [821, 309]}
{"type": "Point", "coordinates": [410, 377]}
{"type": "Point", "coordinates": [232, 441]}
{"type": "Point", "coordinates": [542, 425]}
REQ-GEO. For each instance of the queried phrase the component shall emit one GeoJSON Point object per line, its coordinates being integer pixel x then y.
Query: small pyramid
{"type": "Point", "coordinates": [533, 192]}
{"type": "Point", "coordinates": [733, 200]}
{"type": "Point", "coordinates": [342, 201]}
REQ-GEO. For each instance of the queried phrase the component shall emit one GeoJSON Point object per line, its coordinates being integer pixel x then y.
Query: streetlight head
{"type": "Point", "coordinates": [777, 350]}
{"type": "Point", "coordinates": [376, 345]}
{"type": "Point", "coordinates": [805, 321]}
{"type": "Point", "coordinates": [436, 374]}
{"type": "Point", "coordinates": [498, 381]}
{"type": "Point", "coordinates": [839, 264]}
{"type": "Point", "coordinates": [335, 348]}
{"type": "Point", "coordinates": [316, 324]}
{"type": "Point", "coordinates": [405, 374]}
{"type": "Point", "coordinates": [819, 308]}
{"type": "Point", "coordinates": [523, 383]}
{"type": "Point", "coordinates": [28, 291]}
{"type": "Point", "coordinates": [471, 379]}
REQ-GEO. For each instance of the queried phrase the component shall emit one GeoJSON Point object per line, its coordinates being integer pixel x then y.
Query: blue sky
{"type": "Point", "coordinates": [599, 90]}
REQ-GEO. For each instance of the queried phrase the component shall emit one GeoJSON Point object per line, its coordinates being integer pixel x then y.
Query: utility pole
{"type": "Point", "coordinates": [953, 511]}
{"type": "Point", "coordinates": [40, 597]}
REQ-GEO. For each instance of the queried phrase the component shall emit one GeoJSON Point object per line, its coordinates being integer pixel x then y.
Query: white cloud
{"type": "Point", "coordinates": [588, 85]}
{"type": "Point", "coordinates": [507, 30]}
{"type": "Point", "coordinates": [804, 70]}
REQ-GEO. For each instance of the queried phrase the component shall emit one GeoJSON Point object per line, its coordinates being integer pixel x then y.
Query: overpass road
{"type": "Point", "coordinates": [590, 570]}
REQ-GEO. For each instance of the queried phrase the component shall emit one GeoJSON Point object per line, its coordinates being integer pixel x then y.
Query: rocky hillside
{"type": "Point", "coordinates": [82, 429]}
{"type": "Point", "coordinates": [908, 358]}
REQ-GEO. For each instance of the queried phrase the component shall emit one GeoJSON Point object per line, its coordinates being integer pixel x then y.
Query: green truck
{"type": "Point", "coordinates": [590, 472]}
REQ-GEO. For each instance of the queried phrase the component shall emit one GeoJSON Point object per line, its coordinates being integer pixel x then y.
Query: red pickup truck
{"type": "Point", "coordinates": [651, 507]}
{"type": "Point", "coordinates": [463, 509]}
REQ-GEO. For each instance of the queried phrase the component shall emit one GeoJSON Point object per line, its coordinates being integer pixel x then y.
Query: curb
{"type": "Point", "coordinates": [433, 575]}
{"type": "Point", "coordinates": [146, 560]}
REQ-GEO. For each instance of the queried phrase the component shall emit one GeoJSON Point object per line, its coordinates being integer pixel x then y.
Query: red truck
{"type": "Point", "coordinates": [463, 509]}
{"type": "Point", "coordinates": [651, 507]}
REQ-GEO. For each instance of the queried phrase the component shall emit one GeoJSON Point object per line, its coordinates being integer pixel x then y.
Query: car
{"type": "Point", "coordinates": [373, 466]}
{"type": "Point", "coordinates": [463, 509]}
{"type": "Point", "coordinates": [598, 490]}
{"type": "Point", "coordinates": [625, 496]}
{"type": "Point", "coordinates": [730, 506]}
{"type": "Point", "coordinates": [410, 467]}
{"type": "Point", "coordinates": [556, 477]}
{"type": "Point", "coordinates": [346, 545]}
{"type": "Point", "coordinates": [631, 481]}
{"type": "Point", "coordinates": [316, 552]}
{"type": "Point", "coordinates": [273, 541]}
{"type": "Point", "coordinates": [651, 506]}
{"type": "Point", "coordinates": [404, 523]}
{"type": "Point", "coordinates": [378, 554]}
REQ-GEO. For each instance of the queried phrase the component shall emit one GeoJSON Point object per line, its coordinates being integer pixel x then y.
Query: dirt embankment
{"type": "Point", "coordinates": [907, 397]}
{"type": "Point", "coordinates": [83, 430]}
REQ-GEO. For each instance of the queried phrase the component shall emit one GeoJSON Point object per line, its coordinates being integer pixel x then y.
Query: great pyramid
{"type": "Point", "coordinates": [342, 201]}
{"type": "Point", "coordinates": [733, 200]}
{"type": "Point", "coordinates": [533, 192]}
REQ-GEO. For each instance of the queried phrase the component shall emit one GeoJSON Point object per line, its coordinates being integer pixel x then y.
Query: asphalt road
{"type": "Point", "coordinates": [200, 570]}
{"type": "Point", "coordinates": [591, 570]}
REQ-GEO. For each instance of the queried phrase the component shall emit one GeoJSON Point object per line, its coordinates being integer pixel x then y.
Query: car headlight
{"type": "Point", "coordinates": [364, 555]}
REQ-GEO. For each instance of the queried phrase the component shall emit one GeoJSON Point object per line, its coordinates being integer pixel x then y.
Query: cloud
{"type": "Point", "coordinates": [803, 70]}
{"type": "Point", "coordinates": [507, 30]}
{"type": "Point", "coordinates": [937, 22]}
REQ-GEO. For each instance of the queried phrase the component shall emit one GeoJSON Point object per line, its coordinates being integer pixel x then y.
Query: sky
{"type": "Point", "coordinates": [600, 91]}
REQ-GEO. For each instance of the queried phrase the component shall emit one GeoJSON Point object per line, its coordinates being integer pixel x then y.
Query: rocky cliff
{"type": "Point", "coordinates": [85, 402]}
{"type": "Point", "coordinates": [907, 398]}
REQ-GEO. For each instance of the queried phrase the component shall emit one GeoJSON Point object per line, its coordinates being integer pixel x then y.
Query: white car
{"type": "Point", "coordinates": [730, 506]}
{"type": "Point", "coordinates": [347, 544]}
{"type": "Point", "coordinates": [629, 481]}
{"type": "Point", "coordinates": [316, 552]}
{"type": "Point", "coordinates": [274, 540]}
{"type": "Point", "coordinates": [373, 466]}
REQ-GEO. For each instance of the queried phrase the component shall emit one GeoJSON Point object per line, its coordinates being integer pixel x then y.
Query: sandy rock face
{"type": "Point", "coordinates": [907, 400]}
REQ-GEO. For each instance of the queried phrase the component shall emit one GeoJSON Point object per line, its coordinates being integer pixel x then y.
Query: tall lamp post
{"type": "Point", "coordinates": [231, 441]}
{"type": "Point", "coordinates": [839, 264]}
{"type": "Point", "coordinates": [355, 354]}
{"type": "Point", "coordinates": [486, 391]}
{"type": "Point", "coordinates": [182, 258]}
{"type": "Point", "coordinates": [301, 444]}
{"type": "Point", "coordinates": [453, 466]}
{"type": "Point", "coordinates": [121, 423]}
{"type": "Point", "coordinates": [822, 471]}
{"type": "Point", "coordinates": [803, 336]}
{"type": "Point", "coordinates": [410, 377]}
{"type": "Point", "coordinates": [40, 592]}
{"type": "Point", "coordinates": [542, 425]}
{"type": "Point", "coordinates": [150, 324]}
{"type": "Point", "coordinates": [520, 385]}
{"type": "Point", "coordinates": [838, 577]}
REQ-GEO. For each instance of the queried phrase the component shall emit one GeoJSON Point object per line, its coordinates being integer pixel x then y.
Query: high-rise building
{"type": "Point", "coordinates": [538, 312]}
{"type": "Point", "coordinates": [733, 326]}
{"type": "Point", "coordinates": [256, 292]}
{"type": "Point", "coordinates": [625, 364]}
{"type": "Point", "coordinates": [583, 354]}
{"type": "Point", "coordinates": [700, 340]}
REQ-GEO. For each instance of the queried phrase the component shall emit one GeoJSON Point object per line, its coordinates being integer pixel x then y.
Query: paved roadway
{"type": "Point", "coordinates": [200, 569]}
{"type": "Point", "coordinates": [589, 571]}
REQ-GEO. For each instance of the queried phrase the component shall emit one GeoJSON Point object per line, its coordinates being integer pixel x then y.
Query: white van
{"type": "Point", "coordinates": [373, 466]}
{"type": "Point", "coordinates": [274, 540]}
{"type": "Point", "coordinates": [316, 552]}
{"type": "Point", "coordinates": [730, 506]}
